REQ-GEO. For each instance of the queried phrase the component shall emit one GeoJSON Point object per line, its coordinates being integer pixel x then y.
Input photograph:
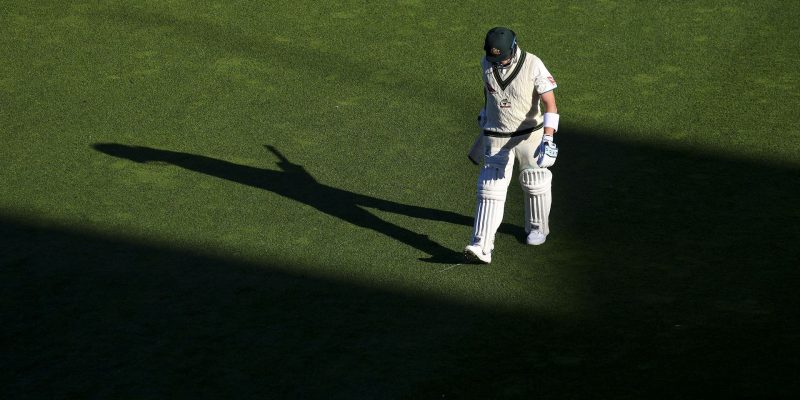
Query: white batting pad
{"type": "Point", "coordinates": [492, 186]}
{"type": "Point", "coordinates": [536, 185]}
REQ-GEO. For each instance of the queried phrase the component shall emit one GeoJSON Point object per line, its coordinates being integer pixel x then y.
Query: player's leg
{"type": "Point", "coordinates": [536, 187]}
{"type": "Point", "coordinates": [493, 181]}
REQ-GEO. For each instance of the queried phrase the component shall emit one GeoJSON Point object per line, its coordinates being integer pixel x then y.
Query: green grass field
{"type": "Point", "coordinates": [254, 200]}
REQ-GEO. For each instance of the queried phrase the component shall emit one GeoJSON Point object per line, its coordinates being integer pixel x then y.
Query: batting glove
{"type": "Point", "coordinates": [547, 152]}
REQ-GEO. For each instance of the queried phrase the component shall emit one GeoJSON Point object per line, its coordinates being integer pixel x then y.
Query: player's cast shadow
{"type": "Point", "coordinates": [294, 182]}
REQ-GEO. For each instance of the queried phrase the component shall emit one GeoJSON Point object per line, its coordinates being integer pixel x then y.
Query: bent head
{"type": "Point", "coordinates": [500, 45]}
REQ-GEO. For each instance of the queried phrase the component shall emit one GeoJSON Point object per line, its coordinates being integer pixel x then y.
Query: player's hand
{"type": "Point", "coordinates": [547, 152]}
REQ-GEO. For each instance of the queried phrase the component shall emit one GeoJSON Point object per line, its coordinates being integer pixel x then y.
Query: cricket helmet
{"type": "Point", "coordinates": [500, 44]}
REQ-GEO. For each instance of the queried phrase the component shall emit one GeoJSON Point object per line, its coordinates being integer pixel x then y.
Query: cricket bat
{"type": "Point", "coordinates": [476, 151]}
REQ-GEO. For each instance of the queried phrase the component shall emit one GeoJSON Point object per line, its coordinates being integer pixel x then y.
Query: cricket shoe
{"type": "Point", "coordinates": [475, 254]}
{"type": "Point", "coordinates": [536, 237]}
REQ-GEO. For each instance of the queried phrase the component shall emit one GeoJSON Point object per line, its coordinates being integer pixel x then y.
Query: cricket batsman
{"type": "Point", "coordinates": [518, 121]}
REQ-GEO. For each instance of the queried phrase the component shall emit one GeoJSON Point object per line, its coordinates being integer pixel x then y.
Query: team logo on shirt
{"type": "Point", "coordinates": [550, 78]}
{"type": "Point", "coordinates": [505, 103]}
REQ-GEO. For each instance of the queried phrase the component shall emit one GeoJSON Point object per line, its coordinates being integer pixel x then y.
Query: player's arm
{"type": "Point", "coordinates": [544, 85]}
{"type": "Point", "coordinates": [548, 150]}
{"type": "Point", "coordinates": [549, 101]}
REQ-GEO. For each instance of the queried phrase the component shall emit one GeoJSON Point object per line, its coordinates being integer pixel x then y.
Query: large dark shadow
{"type": "Point", "coordinates": [691, 259]}
{"type": "Point", "coordinates": [86, 316]}
{"type": "Point", "coordinates": [294, 182]}
{"type": "Point", "coordinates": [686, 265]}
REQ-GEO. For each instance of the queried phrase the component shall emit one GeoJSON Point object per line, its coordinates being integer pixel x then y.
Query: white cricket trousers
{"type": "Point", "coordinates": [493, 181]}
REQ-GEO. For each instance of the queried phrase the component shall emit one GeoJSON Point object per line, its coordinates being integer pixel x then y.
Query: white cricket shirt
{"type": "Point", "coordinates": [513, 93]}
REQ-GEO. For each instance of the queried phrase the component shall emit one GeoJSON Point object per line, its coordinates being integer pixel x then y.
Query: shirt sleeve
{"type": "Point", "coordinates": [542, 80]}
